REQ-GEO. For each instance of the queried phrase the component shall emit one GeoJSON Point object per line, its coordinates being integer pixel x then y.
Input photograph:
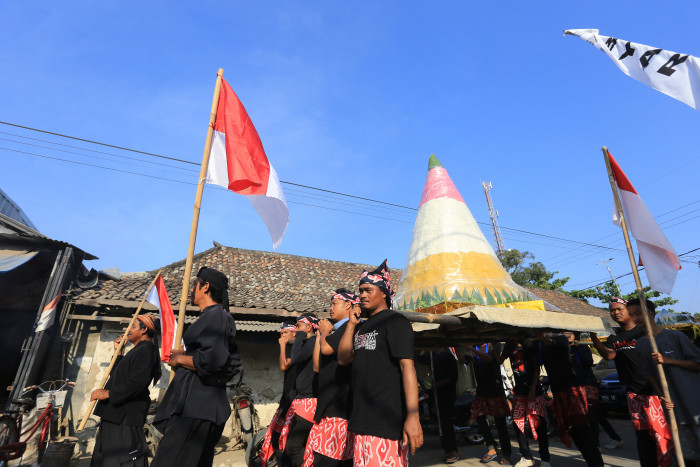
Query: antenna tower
{"type": "Point", "coordinates": [494, 217]}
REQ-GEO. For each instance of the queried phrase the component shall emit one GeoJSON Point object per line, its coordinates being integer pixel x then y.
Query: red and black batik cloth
{"type": "Point", "coordinates": [330, 438]}
{"type": "Point", "coordinates": [371, 451]}
{"type": "Point", "coordinates": [570, 409]}
{"type": "Point", "coordinates": [530, 410]}
{"type": "Point", "coordinates": [647, 413]}
{"type": "Point", "coordinates": [494, 406]}
{"type": "Point", "coordinates": [275, 427]}
{"type": "Point", "coordinates": [305, 408]}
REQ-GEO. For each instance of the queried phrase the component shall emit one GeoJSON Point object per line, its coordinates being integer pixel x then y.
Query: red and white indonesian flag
{"type": "Point", "coordinates": [158, 297]}
{"type": "Point", "coordinates": [237, 162]}
{"type": "Point", "coordinates": [676, 75]}
{"type": "Point", "coordinates": [48, 314]}
{"type": "Point", "coordinates": [656, 254]}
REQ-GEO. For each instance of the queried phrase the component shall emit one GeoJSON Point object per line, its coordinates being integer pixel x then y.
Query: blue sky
{"type": "Point", "coordinates": [350, 97]}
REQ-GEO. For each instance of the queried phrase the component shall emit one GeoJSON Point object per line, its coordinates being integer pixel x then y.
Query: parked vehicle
{"type": "Point", "coordinates": [45, 427]}
{"type": "Point", "coordinates": [603, 368]}
{"type": "Point", "coordinates": [245, 422]}
{"type": "Point", "coordinates": [612, 394]}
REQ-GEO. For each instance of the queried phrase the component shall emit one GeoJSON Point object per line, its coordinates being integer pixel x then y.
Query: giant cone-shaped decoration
{"type": "Point", "coordinates": [449, 258]}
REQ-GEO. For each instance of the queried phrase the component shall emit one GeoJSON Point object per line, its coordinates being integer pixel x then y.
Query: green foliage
{"type": "Point", "coordinates": [527, 272]}
{"type": "Point", "coordinates": [608, 290]}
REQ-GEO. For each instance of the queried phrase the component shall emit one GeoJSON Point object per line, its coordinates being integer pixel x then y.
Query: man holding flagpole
{"type": "Point", "coordinates": [195, 406]}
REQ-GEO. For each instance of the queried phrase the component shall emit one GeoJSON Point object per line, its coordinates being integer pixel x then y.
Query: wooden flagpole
{"type": "Point", "coordinates": [120, 346]}
{"type": "Point", "coordinates": [195, 216]}
{"type": "Point", "coordinates": [642, 302]}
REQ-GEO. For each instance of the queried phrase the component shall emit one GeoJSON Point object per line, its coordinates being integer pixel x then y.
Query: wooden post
{"type": "Point", "coordinates": [116, 354]}
{"type": "Point", "coordinates": [642, 302]}
{"type": "Point", "coordinates": [195, 216]}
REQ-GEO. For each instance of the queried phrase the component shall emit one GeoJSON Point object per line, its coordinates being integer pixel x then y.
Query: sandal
{"type": "Point", "coordinates": [486, 458]}
{"type": "Point", "coordinates": [505, 461]}
{"type": "Point", "coordinates": [451, 459]}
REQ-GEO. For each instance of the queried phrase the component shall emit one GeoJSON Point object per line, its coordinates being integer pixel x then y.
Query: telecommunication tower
{"type": "Point", "coordinates": [494, 217]}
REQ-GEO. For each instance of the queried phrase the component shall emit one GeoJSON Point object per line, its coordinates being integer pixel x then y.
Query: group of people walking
{"type": "Point", "coordinates": [350, 392]}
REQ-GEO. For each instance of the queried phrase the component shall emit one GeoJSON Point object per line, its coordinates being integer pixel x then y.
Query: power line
{"type": "Point", "coordinates": [583, 244]}
{"type": "Point", "coordinates": [629, 273]}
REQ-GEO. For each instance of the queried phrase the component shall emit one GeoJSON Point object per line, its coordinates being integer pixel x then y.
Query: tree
{"type": "Point", "coordinates": [608, 290]}
{"type": "Point", "coordinates": [527, 272]}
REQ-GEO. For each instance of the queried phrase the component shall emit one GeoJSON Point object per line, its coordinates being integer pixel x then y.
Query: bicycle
{"type": "Point", "coordinates": [11, 445]}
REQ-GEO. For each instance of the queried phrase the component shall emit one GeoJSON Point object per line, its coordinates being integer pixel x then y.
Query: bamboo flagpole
{"type": "Point", "coordinates": [195, 216]}
{"type": "Point", "coordinates": [642, 302]}
{"type": "Point", "coordinates": [120, 346]}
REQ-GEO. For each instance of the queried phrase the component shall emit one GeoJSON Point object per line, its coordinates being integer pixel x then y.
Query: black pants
{"type": "Point", "coordinates": [605, 424]}
{"type": "Point", "coordinates": [584, 442]}
{"type": "Point", "coordinates": [646, 448]}
{"type": "Point", "coordinates": [542, 440]}
{"type": "Point", "coordinates": [503, 435]}
{"type": "Point", "coordinates": [324, 461]}
{"type": "Point", "coordinates": [187, 441]}
{"type": "Point", "coordinates": [119, 445]}
{"type": "Point", "coordinates": [296, 440]}
{"type": "Point", "coordinates": [445, 405]}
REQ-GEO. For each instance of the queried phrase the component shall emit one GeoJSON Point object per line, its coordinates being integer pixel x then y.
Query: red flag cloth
{"type": "Point", "coordinates": [660, 260]}
{"type": "Point", "coordinates": [237, 162]}
{"type": "Point", "coordinates": [158, 296]}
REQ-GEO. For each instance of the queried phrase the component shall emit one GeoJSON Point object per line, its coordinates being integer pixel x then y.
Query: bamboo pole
{"type": "Point", "coordinates": [195, 216]}
{"type": "Point", "coordinates": [642, 302]}
{"type": "Point", "coordinates": [118, 350]}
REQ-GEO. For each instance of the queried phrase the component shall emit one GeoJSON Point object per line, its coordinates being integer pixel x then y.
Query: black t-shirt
{"type": "Point", "coordinates": [628, 361]}
{"type": "Point", "coordinates": [524, 361]}
{"type": "Point", "coordinates": [489, 382]}
{"type": "Point", "coordinates": [582, 360]}
{"type": "Point", "coordinates": [378, 404]}
{"type": "Point", "coordinates": [302, 358]}
{"type": "Point", "coordinates": [290, 376]}
{"type": "Point", "coordinates": [444, 366]}
{"type": "Point", "coordinates": [557, 361]}
{"type": "Point", "coordinates": [333, 382]}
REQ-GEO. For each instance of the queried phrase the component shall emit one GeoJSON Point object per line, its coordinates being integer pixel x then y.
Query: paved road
{"type": "Point", "coordinates": [431, 452]}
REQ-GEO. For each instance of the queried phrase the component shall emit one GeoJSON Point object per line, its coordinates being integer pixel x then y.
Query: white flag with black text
{"type": "Point", "coordinates": [676, 75]}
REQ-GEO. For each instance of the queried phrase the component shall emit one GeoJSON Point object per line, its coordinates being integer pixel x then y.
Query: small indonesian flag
{"type": "Point", "coordinates": [48, 314]}
{"type": "Point", "coordinates": [237, 162]}
{"type": "Point", "coordinates": [656, 254]}
{"type": "Point", "coordinates": [158, 297]}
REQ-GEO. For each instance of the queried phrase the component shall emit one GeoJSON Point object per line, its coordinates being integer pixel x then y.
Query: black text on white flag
{"type": "Point", "coordinates": [676, 75]}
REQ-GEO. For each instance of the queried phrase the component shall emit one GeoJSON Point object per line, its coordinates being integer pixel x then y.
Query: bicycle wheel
{"type": "Point", "coordinates": [8, 435]}
{"type": "Point", "coordinates": [8, 430]}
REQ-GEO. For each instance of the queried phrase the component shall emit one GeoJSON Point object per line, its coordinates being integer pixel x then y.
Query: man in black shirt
{"type": "Point", "coordinates": [195, 406]}
{"type": "Point", "coordinates": [490, 400]}
{"type": "Point", "coordinates": [300, 416]}
{"type": "Point", "coordinates": [528, 402]}
{"type": "Point", "coordinates": [582, 361]}
{"type": "Point", "coordinates": [569, 404]}
{"type": "Point", "coordinates": [622, 348]}
{"type": "Point", "coordinates": [330, 442]}
{"type": "Point", "coordinates": [124, 401]}
{"type": "Point", "coordinates": [272, 435]}
{"type": "Point", "coordinates": [384, 413]}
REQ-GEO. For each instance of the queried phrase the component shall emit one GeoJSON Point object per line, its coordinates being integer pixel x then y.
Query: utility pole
{"type": "Point", "coordinates": [611, 274]}
{"type": "Point", "coordinates": [494, 217]}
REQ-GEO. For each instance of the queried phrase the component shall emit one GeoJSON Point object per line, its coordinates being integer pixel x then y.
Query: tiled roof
{"type": "Point", "coordinates": [273, 281]}
{"type": "Point", "coordinates": [257, 279]}
{"type": "Point", "coordinates": [571, 304]}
